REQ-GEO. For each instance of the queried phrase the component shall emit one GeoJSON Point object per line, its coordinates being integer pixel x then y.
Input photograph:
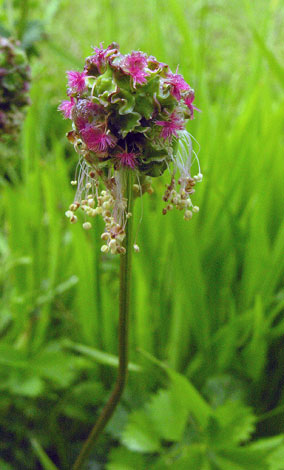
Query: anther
{"type": "Point", "coordinates": [187, 215]}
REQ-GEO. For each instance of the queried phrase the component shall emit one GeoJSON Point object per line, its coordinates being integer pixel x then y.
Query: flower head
{"type": "Point", "coordinates": [120, 127]}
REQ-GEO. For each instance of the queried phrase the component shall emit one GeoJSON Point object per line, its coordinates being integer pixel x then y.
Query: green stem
{"type": "Point", "coordinates": [124, 304]}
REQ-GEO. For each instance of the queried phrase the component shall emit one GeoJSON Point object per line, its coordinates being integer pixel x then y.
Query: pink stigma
{"type": "Point", "coordinates": [188, 101]}
{"type": "Point", "coordinates": [95, 139]}
{"type": "Point", "coordinates": [134, 64]}
{"type": "Point", "coordinates": [171, 126]}
{"type": "Point", "coordinates": [66, 108]}
{"type": "Point", "coordinates": [177, 83]}
{"type": "Point", "coordinates": [76, 81]}
{"type": "Point", "coordinates": [100, 57]}
{"type": "Point", "coordinates": [127, 159]}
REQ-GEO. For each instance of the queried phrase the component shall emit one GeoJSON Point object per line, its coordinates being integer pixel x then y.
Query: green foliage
{"type": "Point", "coordinates": [166, 431]}
{"type": "Point", "coordinates": [208, 296]}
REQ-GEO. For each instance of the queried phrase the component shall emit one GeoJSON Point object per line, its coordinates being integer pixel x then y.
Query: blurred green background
{"type": "Point", "coordinates": [205, 389]}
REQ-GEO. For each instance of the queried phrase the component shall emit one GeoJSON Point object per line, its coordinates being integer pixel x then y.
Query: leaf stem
{"type": "Point", "coordinates": [124, 304]}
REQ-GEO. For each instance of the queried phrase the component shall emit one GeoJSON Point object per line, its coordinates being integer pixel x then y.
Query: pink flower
{"type": "Point", "coordinates": [171, 126]}
{"type": "Point", "coordinates": [101, 55]}
{"type": "Point", "coordinates": [134, 64]}
{"type": "Point", "coordinates": [177, 83]}
{"type": "Point", "coordinates": [76, 81]}
{"type": "Point", "coordinates": [96, 139]}
{"type": "Point", "coordinates": [188, 101]}
{"type": "Point", "coordinates": [127, 159]}
{"type": "Point", "coordinates": [66, 108]}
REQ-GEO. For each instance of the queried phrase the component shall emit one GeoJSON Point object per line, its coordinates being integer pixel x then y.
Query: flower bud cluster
{"type": "Point", "coordinates": [128, 114]}
{"type": "Point", "coordinates": [14, 86]}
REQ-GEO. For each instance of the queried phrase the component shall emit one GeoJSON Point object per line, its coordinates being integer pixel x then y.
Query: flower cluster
{"type": "Point", "coordinates": [129, 114]}
{"type": "Point", "coordinates": [14, 87]}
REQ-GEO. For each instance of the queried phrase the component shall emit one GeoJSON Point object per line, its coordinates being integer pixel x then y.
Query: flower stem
{"type": "Point", "coordinates": [124, 304]}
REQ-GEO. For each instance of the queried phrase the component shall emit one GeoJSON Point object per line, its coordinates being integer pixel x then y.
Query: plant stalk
{"type": "Point", "coordinates": [124, 304]}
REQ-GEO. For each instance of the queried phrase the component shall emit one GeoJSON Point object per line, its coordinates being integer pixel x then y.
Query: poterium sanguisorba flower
{"type": "Point", "coordinates": [14, 87]}
{"type": "Point", "coordinates": [129, 114]}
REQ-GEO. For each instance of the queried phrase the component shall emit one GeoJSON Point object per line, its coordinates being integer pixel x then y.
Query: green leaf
{"type": "Point", "coordinates": [12, 357]}
{"type": "Point", "coordinates": [55, 366]}
{"type": "Point", "coordinates": [5, 465]}
{"type": "Point", "coordinates": [124, 100]}
{"type": "Point", "coordinates": [104, 83]}
{"type": "Point", "coordinates": [123, 459]}
{"type": "Point", "coordinates": [183, 458]}
{"type": "Point", "coordinates": [232, 423]}
{"type": "Point", "coordinates": [82, 397]}
{"type": "Point", "coordinates": [25, 384]}
{"type": "Point", "coordinates": [128, 122]}
{"type": "Point", "coordinates": [276, 459]}
{"type": "Point", "coordinates": [144, 105]}
{"type": "Point", "coordinates": [167, 414]}
{"type": "Point", "coordinates": [140, 434]}
{"type": "Point", "coordinates": [271, 449]}
{"type": "Point", "coordinates": [242, 458]}
{"type": "Point", "coordinates": [190, 398]}
{"type": "Point", "coordinates": [254, 354]}
{"type": "Point", "coordinates": [222, 463]}
{"type": "Point", "coordinates": [186, 393]}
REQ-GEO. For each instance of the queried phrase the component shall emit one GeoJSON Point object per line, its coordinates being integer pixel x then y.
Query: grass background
{"type": "Point", "coordinates": [208, 295]}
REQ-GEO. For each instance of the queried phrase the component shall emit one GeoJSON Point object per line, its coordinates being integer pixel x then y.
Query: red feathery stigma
{"type": "Point", "coordinates": [188, 101]}
{"type": "Point", "coordinates": [127, 159]}
{"type": "Point", "coordinates": [66, 108]}
{"type": "Point", "coordinates": [177, 83]}
{"type": "Point", "coordinates": [76, 81]}
{"type": "Point", "coordinates": [171, 126]}
{"type": "Point", "coordinates": [96, 139]}
{"type": "Point", "coordinates": [134, 64]}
